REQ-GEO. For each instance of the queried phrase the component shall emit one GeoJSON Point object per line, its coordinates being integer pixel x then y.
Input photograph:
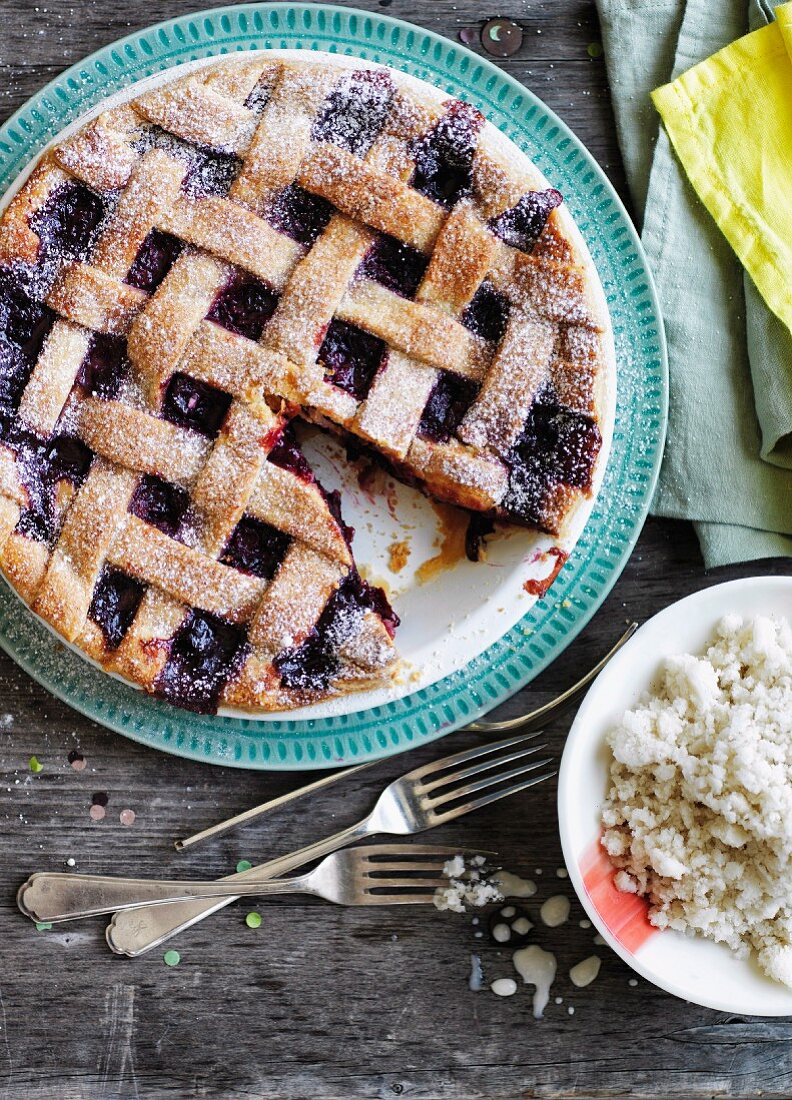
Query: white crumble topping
{"type": "Point", "coordinates": [699, 813]}
{"type": "Point", "coordinates": [468, 886]}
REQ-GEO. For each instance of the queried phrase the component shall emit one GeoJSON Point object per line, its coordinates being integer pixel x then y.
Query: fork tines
{"type": "Point", "coordinates": [438, 786]}
{"type": "Point", "coordinates": [405, 873]}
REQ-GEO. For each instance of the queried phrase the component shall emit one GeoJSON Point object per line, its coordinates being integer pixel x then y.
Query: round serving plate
{"type": "Point", "coordinates": [691, 967]}
{"type": "Point", "coordinates": [508, 647]}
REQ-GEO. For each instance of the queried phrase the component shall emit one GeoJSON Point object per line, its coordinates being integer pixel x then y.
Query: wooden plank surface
{"type": "Point", "coordinates": [322, 1002]}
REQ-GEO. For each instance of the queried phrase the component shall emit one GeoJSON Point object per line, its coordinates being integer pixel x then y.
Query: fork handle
{"type": "Point", "coordinates": [55, 896]}
{"type": "Point", "coordinates": [135, 931]}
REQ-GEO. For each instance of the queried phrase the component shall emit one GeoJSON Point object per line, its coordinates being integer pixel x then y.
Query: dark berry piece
{"type": "Point", "coordinates": [204, 655]}
{"type": "Point", "coordinates": [487, 314]}
{"type": "Point", "coordinates": [105, 366]}
{"type": "Point", "coordinates": [68, 221]}
{"type": "Point", "coordinates": [259, 97]}
{"type": "Point", "coordinates": [115, 602]}
{"type": "Point", "coordinates": [23, 320]}
{"type": "Point", "coordinates": [355, 111]}
{"type": "Point", "coordinates": [156, 256]}
{"type": "Point", "coordinates": [501, 37]}
{"type": "Point", "coordinates": [195, 405]}
{"type": "Point", "coordinates": [42, 465]}
{"type": "Point", "coordinates": [557, 446]}
{"type": "Point", "coordinates": [312, 665]}
{"type": "Point", "coordinates": [351, 358]}
{"type": "Point", "coordinates": [211, 172]}
{"type": "Point", "coordinates": [450, 399]}
{"type": "Point", "coordinates": [444, 156]}
{"type": "Point", "coordinates": [479, 527]}
{"type": "Point", "coordinates": [394, 264]}
{"type": "Point", "coordinates": [160, 503]}
{"type": "Point", "coordinates": [522, 226]}
{"type": "Point", "coordinates": [299, 214]}
{"type": "Point", "coordinates": [256, 547]}
{"type": "Point", "coordinates": [244, 307]}
{"type": "Point", "coordinates": [286, 453]}
{"type": "Point", "coordinates": [15, 370]}
{"type": "Point", "coordinates": [68, 459]}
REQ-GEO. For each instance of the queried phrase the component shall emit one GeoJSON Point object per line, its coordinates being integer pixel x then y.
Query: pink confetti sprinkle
{"type": "Point", "coordinates": [97, 813]}
{"type": "Point", "coordinates": [127, 817]}
{"type": "Point", "coordinates": [468, 35]}
{"type": "Point", "coordinates": [79, 764]}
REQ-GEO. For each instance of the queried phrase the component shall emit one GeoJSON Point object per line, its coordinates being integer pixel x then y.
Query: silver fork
{"type": "Point", "coordinates": [532, 720]}
{"type": "Point", "coordinates": [430, 795]}
{"type": "Point", "coordinates": [384, 874]}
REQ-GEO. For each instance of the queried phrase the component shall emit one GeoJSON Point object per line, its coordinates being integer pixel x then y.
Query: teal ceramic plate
{"type": "Point", "coordinates": [619, 510]}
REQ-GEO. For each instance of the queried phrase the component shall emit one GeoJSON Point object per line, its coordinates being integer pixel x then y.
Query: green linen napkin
{"type": "Point", "coordinates": [728, 459]}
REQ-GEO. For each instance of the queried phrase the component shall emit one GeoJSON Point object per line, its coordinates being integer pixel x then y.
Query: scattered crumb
{"type": "Point", "coordinates": [398, 555]}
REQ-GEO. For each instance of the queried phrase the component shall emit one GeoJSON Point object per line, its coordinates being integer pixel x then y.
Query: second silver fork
{"type": "Point", "coordinates": [381, 874]}
{"type": "Point", "coordinates": [427, 796]}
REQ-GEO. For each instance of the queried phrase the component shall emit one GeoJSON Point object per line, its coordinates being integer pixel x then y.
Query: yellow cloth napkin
{"type": "Point", "coordinates": [729, 119]}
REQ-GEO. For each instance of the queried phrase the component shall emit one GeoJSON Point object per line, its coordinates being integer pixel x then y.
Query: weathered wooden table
{"type": "Point", "coordinates": [324, 1002]}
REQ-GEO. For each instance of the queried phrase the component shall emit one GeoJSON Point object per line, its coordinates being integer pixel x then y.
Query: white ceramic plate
{"type": "Point", "coordinates": [693, 968]}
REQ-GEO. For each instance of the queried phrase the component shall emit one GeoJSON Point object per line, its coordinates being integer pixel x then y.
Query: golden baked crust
{"type": "Point", "coordinates": [268, 237]}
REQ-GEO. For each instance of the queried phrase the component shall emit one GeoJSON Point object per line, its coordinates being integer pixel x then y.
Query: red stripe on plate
{"type": "Point", "coordinates": [626, 916]}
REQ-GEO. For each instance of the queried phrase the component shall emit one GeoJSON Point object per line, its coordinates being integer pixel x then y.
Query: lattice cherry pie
{"type": "Point", "coordinates": [259, 240]}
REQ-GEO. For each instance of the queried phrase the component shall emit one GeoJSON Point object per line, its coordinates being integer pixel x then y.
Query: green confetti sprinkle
{"type": "Point", "coordinates": [243, 865]}
{"type": "Point", "coordinates": [43, 926]}
{"type": "Point", "coordinates": [171, 958]}
{"type": "Point", "coordinates": [35, 765]}
{"type": "Point", "coordinates": [594, 49]}
{"type": "Point", "coordinates": [253, 920]}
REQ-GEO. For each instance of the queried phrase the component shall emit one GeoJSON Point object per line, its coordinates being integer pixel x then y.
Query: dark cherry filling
{"type": "Point", "coordinates": [211, 171]}
{"type": "Point", "coordinates": [287, 454]}
{"type": "Point", "coordinates": [24, 325]}
{"type": "Point", "coordinates": [334, 506]}
{"type": "Point", "coordinates": [24, 322]}
{"type": "Point", "coordinates": [312, 665]}
{"type": "Point", "coordinates": [244, 307]}
{"type": "Point", "coordinates": [205, 653]}
{"type": "Point", "coordinates": [444, 155]}
{"type": "Point", "coordinates": [156, 256]}
{"type": "Point", "coordinates": [556, 446]}
{"type": "Point", "coordinates": [257, 548]}
{"type": "Point", "coordinates": [67, 222]}
{"type": "Point", "coordinates": [161, 504]}
{"type": "Point", "coordinates": [522, 226]}
{"type": "Point", "coordinates": [487, 313]}
{"type": "Point", "coordinates": [355, 111]}
{"type": "Point", "coordinates": [351, 358]}
{"type": "Point", "coordinates": [479, 526]}
{"type": "Point", "coordinates": [259, 97]}
{"type": "Point", "coordinates": [105, 366]}
{"type": "Point", "coordinates": [15, 370]}
{"type": "Point", "coordinates": [450, 399]}
{"type": "Point", "coordinates": [41, 466]}
{"type": "Point", "coordinates": [299, 214]}
{"type": "Point", "coordinates": [195, 405]}
{"type": "Point", "coordinates": [394, 264]}
{"type": "Point", "coordinates": [116, 599]}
